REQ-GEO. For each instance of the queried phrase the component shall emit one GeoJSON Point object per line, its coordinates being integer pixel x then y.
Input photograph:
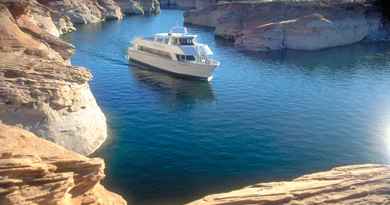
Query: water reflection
{"type": "Point", "coordinates": [174, 91]}
{"type": "Point", "coordinates": [345, 57]}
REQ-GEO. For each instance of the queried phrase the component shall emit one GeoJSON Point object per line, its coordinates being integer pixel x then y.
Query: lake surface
{"type": "Point", "coordinates": [265, 116]}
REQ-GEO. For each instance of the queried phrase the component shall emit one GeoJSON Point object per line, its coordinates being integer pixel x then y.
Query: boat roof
{"type": "Point", "coordinates": [179, 35]}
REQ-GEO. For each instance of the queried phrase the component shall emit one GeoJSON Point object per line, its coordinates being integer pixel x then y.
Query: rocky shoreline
{"type": "Point", "coordinates": [299, 25]}
{"type": "Point", "coordinates": [347, 185]}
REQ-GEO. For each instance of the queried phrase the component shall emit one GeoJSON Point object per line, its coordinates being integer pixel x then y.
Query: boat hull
{"type": "Point", "coordinates": [198, 71]}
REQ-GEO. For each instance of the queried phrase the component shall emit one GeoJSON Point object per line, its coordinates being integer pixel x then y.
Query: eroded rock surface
{"type": "Point", "coordinates": [302, 25]}
{"type": "Point", "coordinates": [40, 90]}
{"type": "Point", "coordinates": [34, 171]}
{"type": "Point", "coordinates": [348, 185]}
{"type": "Point", "coordinates": [187, 4]}
{"type": "Point", "coordinates": [139, 7]}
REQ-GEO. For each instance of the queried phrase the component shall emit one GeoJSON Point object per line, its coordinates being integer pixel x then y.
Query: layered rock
{"type": "Point", "coordinates": [150, 6]}
{"type": "Point", "coordinates": [348, 185]}
{"type": "Point", "coordinates": [37, 172]}
{"type": "Point", "coordinates": [110, 9]}
{"type": "Point", "coordinates": [187, 4]}
{"type": "Point", "coordinates": [139, 7]}
{"type": "Point", "coordinates": [40, 90]}
{"type": "Point", "coordinates": [130, 7]}
{"type": "Point", "coordinates": [85, 11]}
{"type": "Point", "coordinates": [303, 25]}
{"type": "Point", "coordinates": [32, 14]}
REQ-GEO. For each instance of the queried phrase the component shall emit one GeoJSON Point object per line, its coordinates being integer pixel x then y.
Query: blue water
{"type": "Point", "coordinates": [265, 116]}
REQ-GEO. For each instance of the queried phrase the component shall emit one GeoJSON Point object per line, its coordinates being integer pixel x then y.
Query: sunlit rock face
{"type": "Point", "coordinates": [33, 15]}
{"type": "Point", "coordinates": [302, 25]}
{"type": "Point", "coordinates": [110, 9]}
{"type": "Point", "coordinates": [35, 171]}
{"type": "Point", "coordinates": [348, 185]}
{"type": "Point", "coordinates": [79, 11]}
{"type": "Point", "coordinates": [311, 32]}
{"type": "Point", "coordinates": [40, 90]}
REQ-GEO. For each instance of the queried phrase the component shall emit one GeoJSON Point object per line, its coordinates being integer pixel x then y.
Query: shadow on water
{"type": "Point", "coordinates": [174, 90]}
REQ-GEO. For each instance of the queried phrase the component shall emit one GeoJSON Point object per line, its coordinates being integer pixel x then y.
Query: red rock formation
{"type": "Point", "coordinates": [39, 89]}
{"type": "Point", "coordinates": [349, 185]}
{"type": "Point", "coordinates": [37, 172]}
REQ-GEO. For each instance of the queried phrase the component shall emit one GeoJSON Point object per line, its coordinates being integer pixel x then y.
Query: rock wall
{"type": "Point", "coordinates": [348, 185]}
{"type": "Point", "coordinates": [302, 25]}
{"type": "Point", "coordinates": [39, 89]}
{"type": "Point", "coordinates": [37, 172]}
{"type": "Point", "coordinates": [150, 7]}
{"type": "Point", "coordinates": [68, 12]}
{"type": "Point", "coordinates": [187, 4]}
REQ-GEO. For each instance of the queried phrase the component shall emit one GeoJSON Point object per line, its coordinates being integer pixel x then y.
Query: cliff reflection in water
{"type": "Point", "coordinates": [175, 91]}
{"type": "Point", "coordinates": [339, 59]}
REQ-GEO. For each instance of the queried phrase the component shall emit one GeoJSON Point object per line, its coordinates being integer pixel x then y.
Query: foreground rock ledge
{"type": "Point", "coordinates": [357, 184]}
{"type": "Point", "coordinates": [36, 171]}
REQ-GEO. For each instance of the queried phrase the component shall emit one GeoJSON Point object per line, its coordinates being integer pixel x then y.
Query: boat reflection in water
{"type": "Point", "coordinates": [174, 91]}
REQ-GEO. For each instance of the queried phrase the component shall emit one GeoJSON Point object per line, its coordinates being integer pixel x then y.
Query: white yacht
{"type": "Point", "coordinates": [176, 52]}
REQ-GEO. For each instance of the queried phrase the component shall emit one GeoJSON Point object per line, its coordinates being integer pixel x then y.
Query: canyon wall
{"type": "Point", "coordinates": [301, 25]}
{"type": "Point", "coordinates": [37, 172]}
{"type": "Point", "coordinates": [348, 185]}
{"type": "Point", "coordinates": [39, 89]}
{"type": "Point", "coordinates": [187, 4]}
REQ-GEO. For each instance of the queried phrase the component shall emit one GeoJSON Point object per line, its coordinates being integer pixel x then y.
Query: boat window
{"type": "Point", "coordinates": [186, 41]}
{"type": "Point", "coordinates": [180, 57]}
{"type": "Point", "coordinates": [185, 58]}
{"type": "Point", "coordinates": [190, 58]}
{"type": "Point", "coordinates": [155, 52]}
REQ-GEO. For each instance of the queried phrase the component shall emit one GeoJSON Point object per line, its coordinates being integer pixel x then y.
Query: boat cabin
{"type": "Point", "coordinates": [176, 45]}
{"type": "Point", "coordinates": [177, 39]}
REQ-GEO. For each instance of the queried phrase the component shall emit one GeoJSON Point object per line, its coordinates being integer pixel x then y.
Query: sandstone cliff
{"type": "Point", "coordinates": [348, 185]}
{"type": "Point", "coordinates": [66, 13]}
{"type": "Point", "coordinates": [301, 25]}
{"type": "Point", "coordinates": [37, 172]}
{"type": "Point", "coordinates": [187, 4]}
{"type": "Point", "coordinates": [39, 89]}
